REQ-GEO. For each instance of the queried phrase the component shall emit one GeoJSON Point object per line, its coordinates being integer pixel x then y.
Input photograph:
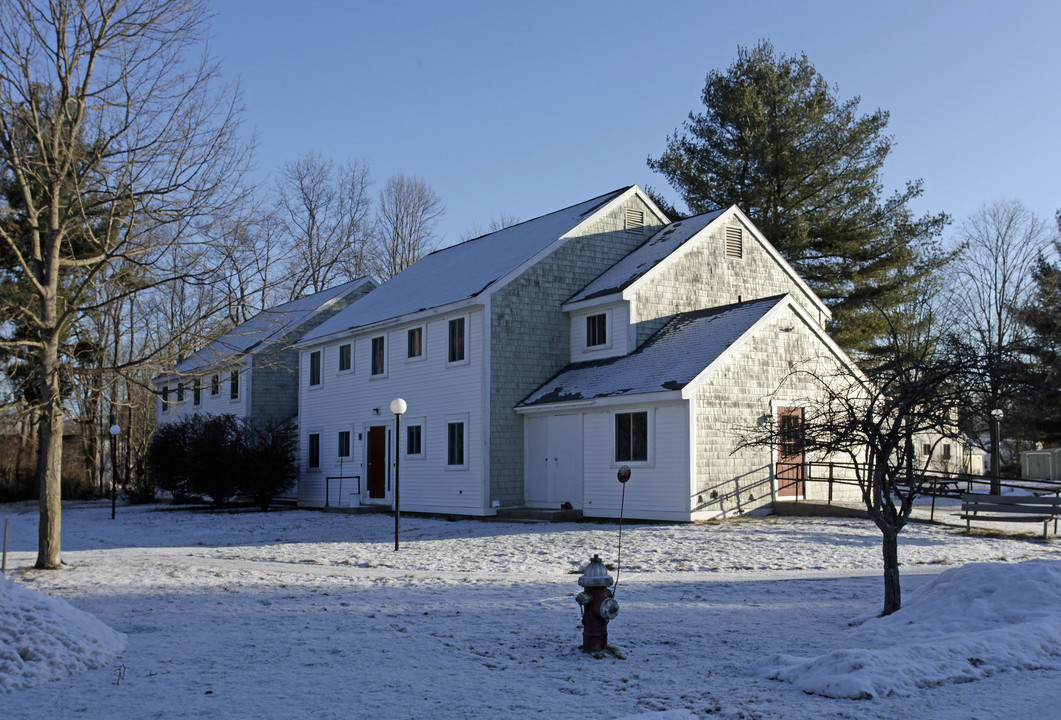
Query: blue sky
{"type": "Point", "coordinates": [525, 108]}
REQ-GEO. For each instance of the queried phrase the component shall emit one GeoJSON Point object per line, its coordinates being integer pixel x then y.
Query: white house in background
{"type": "Point", "coordinates": [537, 360]}
{"type": "Point", "coordinates": [252, 370]}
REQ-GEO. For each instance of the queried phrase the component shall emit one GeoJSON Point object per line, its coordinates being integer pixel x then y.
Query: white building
{"type": "Point", "coordinates": [537, 360]}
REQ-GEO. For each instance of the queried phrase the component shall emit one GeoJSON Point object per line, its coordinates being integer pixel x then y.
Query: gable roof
{"type": "Point", "coordinates": [267, 325]}
{"type": "Point", "coordinates": [461, 271]}
{"type": "Point", "coordinates": [668, 244]}
{"type": "Point", "coordinates": [669, 360]}
{"type": "Point", "coordinates": [623, 273]}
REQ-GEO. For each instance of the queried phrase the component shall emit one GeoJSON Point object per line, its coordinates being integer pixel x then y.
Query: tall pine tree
{"type": "Point", "coordinates": [778, 141]}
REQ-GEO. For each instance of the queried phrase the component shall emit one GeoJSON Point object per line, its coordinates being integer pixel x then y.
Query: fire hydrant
{"type": "Point", "coordinates": [598, 605]}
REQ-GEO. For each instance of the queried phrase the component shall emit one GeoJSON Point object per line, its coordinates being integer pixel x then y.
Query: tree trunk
{"type": "Point", "coordinates": [50, 457]}
{"type": "Point", "coordinates": [893, 599]}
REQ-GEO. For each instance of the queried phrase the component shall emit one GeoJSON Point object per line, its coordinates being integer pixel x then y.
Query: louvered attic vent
{"type": "Point", "coordinates": [635, 220]}
{"type": "Point", "coordinates": [734, 242]}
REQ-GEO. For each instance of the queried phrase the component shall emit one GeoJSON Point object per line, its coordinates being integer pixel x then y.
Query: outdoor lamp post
{"type": "Point", "coordinates": [115, 431]}
{"type": "Point", "coordinates": [398, 407]}
{"type": "Point", "coordinates": [996, 451]}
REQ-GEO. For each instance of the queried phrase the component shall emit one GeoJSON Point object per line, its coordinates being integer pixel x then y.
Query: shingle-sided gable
{"type": "Point", "coordinates": [462, 271]}
{"type": "Point", "coordinates": [668, 361]}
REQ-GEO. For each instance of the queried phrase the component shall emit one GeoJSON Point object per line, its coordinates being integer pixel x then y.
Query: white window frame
{"type": "Point", "coordinates": [423, 344]}
{"type": "Point", "coordinates": [233, 385]}
{"type": "Point", "coordinates": [316, 363]}
{"type": "Point", "coordinates": [421, 423]}
{"type": "Point", "coordinates": [650, 437]}
{"type": "Point", "coordinates": [339, 358]}
{"type": "Point", "coordinates": [310, 467]}
{"type": "Point", "coordinates": [607, 314]}
{"type": "Point", "coordinates": [372, 357]}
{"type": "Point", "coordinates": [467, 341]}
{"type": "Point", "coordinates": [349, 444]}
{"type": "Point", "coordinates": [466, 450]}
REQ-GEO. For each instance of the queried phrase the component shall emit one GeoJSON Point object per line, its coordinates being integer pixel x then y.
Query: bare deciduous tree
{"type": "Point", "coordinates": [500, 221]}
{"type": "Point", "coordinates": [406, 218]}
{"type": "Point", "coordinates": [994, 276]}
{"type": "Point", "coordinates": [909, 394]}
{"type": "Point", "coordinates": [326, 214]}
{"type": "Point", "coordinates": [120, 150]}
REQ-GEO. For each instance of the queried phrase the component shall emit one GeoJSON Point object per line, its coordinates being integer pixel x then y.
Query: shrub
{"type": "Point", "coordinates": [224, 458]}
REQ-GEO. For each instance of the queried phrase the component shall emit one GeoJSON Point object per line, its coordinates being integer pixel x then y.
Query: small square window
{"type": "Point", "coordinates": [455, 444]}
{"type": "Point", "coordinates": [596, 330]}
{"type": "Point", "coordinates": [378, 356]}
{"type": "Point", "coordinates": [197, 392]}
{"type": "Point", "coordinates": [416, 342]}
{"type": "Point", "coordinates": [631, 437]}
{"type": "Point", "coordinates": [344, 443]}
{"type": "Point", "coordinates": [233, 385]}
{"type": "Point", "coordinates": [414, 439]}
{"type": "Point", "coordinates": [215, 385]}
{"type": "Point", "coordinates": [314, 450]}
{"type": "Point", "coordinates": [345, 358]}
{"type": "Point", "coordinates": [456, 340]}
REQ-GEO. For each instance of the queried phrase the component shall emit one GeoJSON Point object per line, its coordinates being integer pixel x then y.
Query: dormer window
{"type": "Point", "coordinates": [596, 330]}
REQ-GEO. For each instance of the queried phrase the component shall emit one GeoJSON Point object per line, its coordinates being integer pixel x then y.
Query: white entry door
{"type": "Point", "coordinates": [553, 461]}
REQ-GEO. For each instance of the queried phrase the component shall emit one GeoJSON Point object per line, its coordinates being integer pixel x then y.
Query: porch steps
{"type": "Point", "coordinates": [519, 514]}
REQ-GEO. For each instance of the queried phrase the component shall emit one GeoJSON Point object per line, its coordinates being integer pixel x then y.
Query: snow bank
{"type": "Point", "coordinates": [968, 623]}
{"type": "Point", "coordinates": [43, 638]}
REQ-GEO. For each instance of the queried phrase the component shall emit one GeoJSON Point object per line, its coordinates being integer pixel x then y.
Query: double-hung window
{"type": "Point", "coordinates": [314, 459]}
{"type": "Point", "coordinates": [379, 358]}
{"type": "Point", "coordinates": [455, 449]}
{"type": "Point", "coordinates": [215, 384]}
{"type": "Point", "coordinates": [344, 443]}
{"type": "Point", "coordinates": [346, 358]}
{"type": "Point", "coordinates": [456, 340]}
{"type": "Point", "coordinates": [596, 330]}
{"type": "Point", "coordinates": [631, 437]}
{"type": "Point", "coordinates": [315, 368]}
{"type": "Point", "coordinates": [415, 342]}
{"type": "Point", "coordinates": [233, 385]}
{"type": "Point", "coordinates": [197, 391]}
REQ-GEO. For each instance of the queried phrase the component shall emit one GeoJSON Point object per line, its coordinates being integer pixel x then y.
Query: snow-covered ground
{"type": "Point", "coordinates": [304, 614]}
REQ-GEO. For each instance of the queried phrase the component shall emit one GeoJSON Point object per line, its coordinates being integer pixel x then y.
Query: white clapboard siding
{"type": "Point", "coordinates": [436, 392]}
{"type": "Point", "coordinates": [657, 490]}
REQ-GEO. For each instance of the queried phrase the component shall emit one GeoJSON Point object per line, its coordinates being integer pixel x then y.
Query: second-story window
{"type": "Point", "coordinates": [197, 392]}
{"type": "Point", "coordinates": [416, 342]}
{"type": "Point", "coordinates": [379, 358]}
{"type": "Point", "coordinates": [456, 340]}
{"type": "Point", "coordinates": [215, 385]}
{"type": "Point", "coordinates": [596, 330]}
{"type": "Point", "coordinates": [315, 367]}
{"type": "Point", "coordinates": [345, 358]}
{"type": "Point", "coordinates": [180, 392]}
{"type": "Point", "coordinates": [233, 385]}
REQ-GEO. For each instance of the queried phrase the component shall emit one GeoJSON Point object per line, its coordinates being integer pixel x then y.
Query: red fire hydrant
{"type": "Point", "coordinates": [598, 605]}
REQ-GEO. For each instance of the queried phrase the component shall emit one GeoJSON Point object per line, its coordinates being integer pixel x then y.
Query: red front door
{"type": "Point", "coordinates": [377, 462]}
{"type": "Point", "coordinates": [790, 452]}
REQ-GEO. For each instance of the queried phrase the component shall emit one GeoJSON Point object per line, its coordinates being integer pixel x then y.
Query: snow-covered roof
{"type": "Point", "coordinates": [646, 257]}
{"type": "Point", "coordinates": [461, 271]}
{"type": "Point", "coordinates": [263, 327]}
{"type": "Point", "coordinates": [669, 360]}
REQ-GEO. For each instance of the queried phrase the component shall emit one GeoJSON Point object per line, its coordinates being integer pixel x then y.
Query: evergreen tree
{"type": "Point", "coordinates": [1042, 316]}
{"type": "Point", "coordinates": [779, 142]}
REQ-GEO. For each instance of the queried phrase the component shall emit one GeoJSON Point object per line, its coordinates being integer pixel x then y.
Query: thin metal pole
{"type": "Point", "coordinates": [114, 466]}
{"type": "Point", "coordinates": [397, 476]}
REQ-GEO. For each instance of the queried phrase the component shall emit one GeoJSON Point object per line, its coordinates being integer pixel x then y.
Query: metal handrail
{"type": "Point", "coordinates": [340, 478]}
